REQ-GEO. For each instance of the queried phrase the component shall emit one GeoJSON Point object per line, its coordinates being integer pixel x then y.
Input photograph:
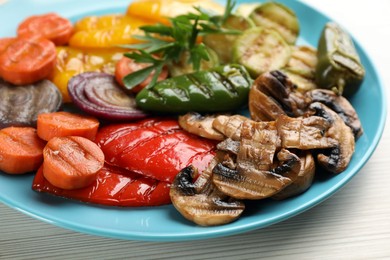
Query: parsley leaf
{"type": "Point", "coordinates": [171, 42]}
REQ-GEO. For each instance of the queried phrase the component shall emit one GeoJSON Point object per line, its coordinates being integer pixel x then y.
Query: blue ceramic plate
{"type": "Point", "coordinates": [165, 223]}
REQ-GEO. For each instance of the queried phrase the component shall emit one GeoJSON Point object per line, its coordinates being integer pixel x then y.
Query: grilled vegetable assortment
{"type": "Point", "coordinates": [199, 63]}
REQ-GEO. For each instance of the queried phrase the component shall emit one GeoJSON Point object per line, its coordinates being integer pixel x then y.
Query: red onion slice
{"type": "Point", "coordinates": [98, 94]}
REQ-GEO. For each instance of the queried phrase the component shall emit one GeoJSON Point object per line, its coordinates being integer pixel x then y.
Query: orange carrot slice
{"type": "Point", "coordinates": [62, 123]}
{"type": "Point", "coordinates": [49, 26]}
{"type": "Point", "coordinates": [5, 42]}
{"type": "Point", "coordinates": [21, 150]}
{"type": "Point", "coordinates": [71, 162]}
{"type": "Point", "coordinates": [27, 60]}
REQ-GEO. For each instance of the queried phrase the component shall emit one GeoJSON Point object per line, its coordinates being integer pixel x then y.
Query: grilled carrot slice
{"type": "Point", "coordinates": [20, 150]}
{"type": "Point", "coordinates": [71, 162]}
{"type": "Point", "coordinates": [4, 43]}
{"type": "Point", "coordinates": [49, 26]}
{"type": "Point", "coordinates": [27, 60]}
{"type": "Point", "coordinates": [57, 124]}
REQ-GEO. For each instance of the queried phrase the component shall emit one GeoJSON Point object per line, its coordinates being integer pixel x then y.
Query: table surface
{"type": "Point", "coordinates": [352, 224]}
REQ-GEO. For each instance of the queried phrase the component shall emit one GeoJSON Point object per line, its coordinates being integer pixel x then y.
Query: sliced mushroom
{"type": "Point", "coordinates": [247, 182]}
{"type": "Point", "coordinates": [200, 201]}
{"type": "Point", "coordinates": [335, 159]}
{"type": "Point", "coordinates": [273, 94]}
{"type": "Point", "coordinates": [304, 133]}
{"type": "Point", "coordinates": [200, 125]}
{"type": "Point", "coordinates": [341, 106]}
{"type": "Point", "coordinates": [230, 126]}
{"type": "Point", "coordinates": [303, 181]}
{"type": "Point", "coordinates": [255, 174]}
{"type": "Point", "coordinates": [258, 145]}
{"type": "Point", "coordinates": [229, 145]}
{"type": "Point", "coordinates": [263, 107]}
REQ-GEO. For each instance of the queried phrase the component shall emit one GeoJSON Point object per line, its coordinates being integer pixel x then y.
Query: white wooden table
{"type": "Point", "coordinates": [353, 224]}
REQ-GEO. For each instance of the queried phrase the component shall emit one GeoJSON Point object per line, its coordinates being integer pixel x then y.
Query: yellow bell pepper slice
{"type": "Point", "coordinates": [72, 61]}
{"type": "Point", "coordinates": [159, 10]}
{"type": "Point", "coordinates": [106, 31]}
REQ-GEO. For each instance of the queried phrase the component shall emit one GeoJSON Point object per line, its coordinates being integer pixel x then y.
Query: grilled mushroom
{"type": "Point", "coordinates": [304, 133]}
{"type": "Point", "coordinates": [230, 126]}
{"type": "Point", "coordinates": [263, 107]}
{"type": "Point", "coordinates": [273, 94]}
{"type": "Point", "coordinates": [229, 145]}
{"type": "Point", "coordinates": [256, 175]}
{"type": "Point", "coordinates": [337, 158]}
{"type": "Point", "coordinates": [340, 105]}
{"type": "Point", "coordinates": [200, 125]}
{"type": "Point", "coordinates": [200, 201]}
{"type": "Point", "coordinates": [247, 182]}
{"type": "Point", "coordinates": [258, 145]}
{"type": "Point", "coordinates": [303, 181]}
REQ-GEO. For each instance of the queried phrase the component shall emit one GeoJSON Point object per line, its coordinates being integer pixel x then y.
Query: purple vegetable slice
{"type": "Point", "coordinates": [21, 105]}
{"type": "Point", "coordinates": [98, 94]}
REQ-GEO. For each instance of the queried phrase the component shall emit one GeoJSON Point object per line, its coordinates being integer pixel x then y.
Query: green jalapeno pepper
{"type": "Point", "coordinates": [223, 88]}
{"type": "Point", "coordinates": [339, 67]}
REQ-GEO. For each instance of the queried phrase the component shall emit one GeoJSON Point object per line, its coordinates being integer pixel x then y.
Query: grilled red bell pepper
{"type": "Point", "coordinates": [113, 187]}
{"type": "Point", "coordinates": [157, 148]}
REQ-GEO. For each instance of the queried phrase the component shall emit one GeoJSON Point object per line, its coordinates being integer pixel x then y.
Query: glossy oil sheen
{"type": "Point", "coordinates": [165, 223]}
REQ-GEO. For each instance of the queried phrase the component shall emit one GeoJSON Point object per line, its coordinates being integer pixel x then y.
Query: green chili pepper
{"type": "Point", "coordinates": [339, 67]}
{"type": "Point", "coordinates": [223, 88]}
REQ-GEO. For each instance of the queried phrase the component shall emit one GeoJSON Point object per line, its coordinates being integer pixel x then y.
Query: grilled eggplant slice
{"type": "Point", "coordinates": [21, 105]}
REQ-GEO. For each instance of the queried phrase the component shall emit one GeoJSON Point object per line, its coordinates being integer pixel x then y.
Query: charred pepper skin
{"type": "Point", "coordinates": [339, 67]}
{"type": "Point", "coordinates": [223, 88]}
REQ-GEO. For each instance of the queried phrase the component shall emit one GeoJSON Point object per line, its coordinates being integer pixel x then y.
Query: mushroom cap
{"type": "Point", "coordinates": [341, 106]}
{"type": "Point", "coordinates": [273, 94]}
{"type": "Point", "coordinates": [337, 158]}
{"type": "Point", "coordinates": [201, 202]}
{"type": "Point", "coordinates": [304, 179]}
{"type": "Point", "coordinates": [230, 126]}
{"type": "Point", "coordinates": [304, 133]}
{"type": "Point", "coordinates": [248, 182]}
{"type": "Point", "coordinates": [198, 124]}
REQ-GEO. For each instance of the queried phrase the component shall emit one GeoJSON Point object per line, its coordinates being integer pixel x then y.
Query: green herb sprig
{"type": "Point", "coordinates": [164, 44]}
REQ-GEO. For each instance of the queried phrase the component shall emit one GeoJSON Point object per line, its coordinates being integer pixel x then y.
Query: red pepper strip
{"type": "Point", "coordinates": [155, 148]}
{"type": "Point", "coordinates": [113, 187]}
